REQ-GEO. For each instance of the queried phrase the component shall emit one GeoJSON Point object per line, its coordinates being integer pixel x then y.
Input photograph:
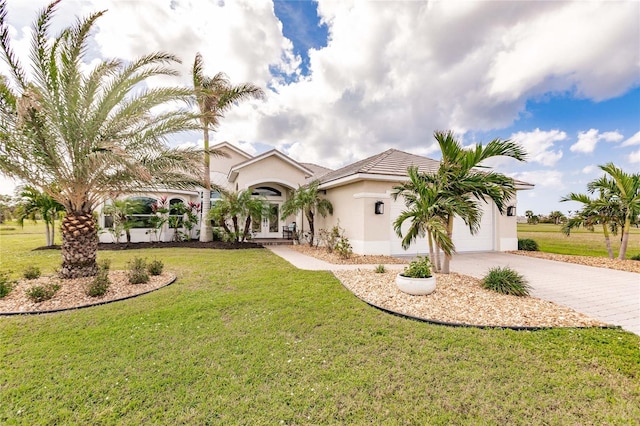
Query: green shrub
{"type": "Point", "coordinates": [506, 281]}
{"type": "Point", "coordinates": [635, 257]}
{"type": "Point", "coordinates": [31, 272]}
{"type": "Point", "coordinates": [6, 284]}
{"type": "Point", "coordinates": [138, 271]}
{"type": "Point", "coordinates": [41, 293]}
{"type": "Point", "coordinates": [100, 283]}
{"type": "Point", "coordinates": [527, 244]}
{"type": "Point", "coordinates": [155, 267]}
{"type": "Point", "coordinates": [343, 248]}
{"type": "Point", "coordinates": [419, 268]}
{"type": "Point", "coordinates": [380, 269]}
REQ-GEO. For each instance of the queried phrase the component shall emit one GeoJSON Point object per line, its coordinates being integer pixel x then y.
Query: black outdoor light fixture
{"type": "Point", "coordinates": [511, 211]}
{"type": "Point", "coordinates": [379, 207]}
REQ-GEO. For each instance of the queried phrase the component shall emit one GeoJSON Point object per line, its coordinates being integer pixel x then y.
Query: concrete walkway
{"type": "Point", "coordinates": [605, 294]}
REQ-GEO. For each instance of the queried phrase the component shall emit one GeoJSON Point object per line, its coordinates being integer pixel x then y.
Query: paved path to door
{"type": "Point", "coordinates": [605, 294]}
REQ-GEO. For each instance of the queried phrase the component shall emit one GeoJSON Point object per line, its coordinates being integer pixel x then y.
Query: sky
{"type": "Point", "coordinates": [349, 79]}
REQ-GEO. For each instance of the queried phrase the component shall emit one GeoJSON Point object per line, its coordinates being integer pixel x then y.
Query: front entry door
{"type": "Point", "coordinates": [269, 225]}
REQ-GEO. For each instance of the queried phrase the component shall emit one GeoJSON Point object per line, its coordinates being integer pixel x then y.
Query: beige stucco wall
{"type": "Point", "coordinates": [507, 228]}
{"type": "Point", "coordinates": [270, 169]}
{"type": "Point", "coordinates": [224, 164]}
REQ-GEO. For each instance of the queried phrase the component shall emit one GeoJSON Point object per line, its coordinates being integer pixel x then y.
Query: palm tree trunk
{"type": "Point", "coordinates": [247, 225]}
{"type": "Point", "coordinates": [311, 227]}
{"type": "Point", "coordinates": [607, 240]}
{"type": "Point", "coordinates": [447, 257]}
{"type": "Point", "coordinates": [206, 234]}
{"type": "Point", "coordinates": [431, 252]}
{"type": "Point", "coordinates": [625, 239]}
{"type": "Point", "coordinates": [48, 233]}
{"type": "Point", "coordinates": [79, 245]}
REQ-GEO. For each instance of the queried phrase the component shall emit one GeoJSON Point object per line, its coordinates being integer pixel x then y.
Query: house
{"type": "Point", "coordinates": [360, 194]}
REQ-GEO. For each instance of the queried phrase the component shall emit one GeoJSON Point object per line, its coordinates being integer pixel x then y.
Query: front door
{"type": "Point", "coordinates": [269, 225]}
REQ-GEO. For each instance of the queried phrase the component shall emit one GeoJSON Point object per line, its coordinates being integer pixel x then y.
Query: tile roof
{"type": "Point", "coordinates": [391, 162]}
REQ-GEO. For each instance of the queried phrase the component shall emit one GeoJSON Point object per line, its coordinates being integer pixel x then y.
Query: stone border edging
{"type": "Point", "coordinates": [53, 311]}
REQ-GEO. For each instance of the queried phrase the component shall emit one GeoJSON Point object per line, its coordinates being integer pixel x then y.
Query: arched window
{"type": "Point", "coordinates": [266, 191]}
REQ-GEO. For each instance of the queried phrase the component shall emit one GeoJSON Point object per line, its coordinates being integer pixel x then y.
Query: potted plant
{"type": "Point", "coordinates": [417, 278]}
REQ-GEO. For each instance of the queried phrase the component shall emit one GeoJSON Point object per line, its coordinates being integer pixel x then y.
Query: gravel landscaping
{"type": "Point", "coordinates": [72, 292]}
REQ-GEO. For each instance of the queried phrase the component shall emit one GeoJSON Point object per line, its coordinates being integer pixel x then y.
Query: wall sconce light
{"type": "Point", "coordinates": [511, 211]}
{"type": "Point", "coordinates": [379, 207]}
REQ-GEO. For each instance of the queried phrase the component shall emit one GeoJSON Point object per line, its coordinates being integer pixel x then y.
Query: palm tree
{"type": "Point", "coordinates": [461, 177]}
{"type": "Point", "coordinates": [425, 206]}
{"type": "Point", "coordinates": [237, 206]}
{"type": "Point", "coordinates": [35, 203]}
{"type": "Point", "coordinates": [599, 211]}
{"type": "Point", "coordinates": [624, 189]}
{"type": "Point", "coordinates": [120, 212]}
{"type": "Point", "coordinates": [214, 96]}
{"type": "Point", "coordinates": [79, 135]}
{"type": "Point", "coordinates": [307, 199]}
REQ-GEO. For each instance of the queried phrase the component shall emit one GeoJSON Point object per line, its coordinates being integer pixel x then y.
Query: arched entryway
{"type": "Point", "coordinates": [270, 224]}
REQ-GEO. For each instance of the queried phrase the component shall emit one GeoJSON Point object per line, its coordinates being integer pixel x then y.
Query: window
{"type": "Point", "coordinates": [141, 211]}
{"type": "Point", "coordinates": [266, 191]}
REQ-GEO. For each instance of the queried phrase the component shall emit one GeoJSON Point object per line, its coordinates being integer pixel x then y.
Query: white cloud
{"type": "Point", "coordinates": [541, 178]}
{"type": "Point", "coordinates": [588, 140]}
{"type": "Point", "coordinates": [634, 157]}
{"type": "Point", "coordinates": [587, 170]}
{"type": "Point", "coordinates": [539, 145]}
{"type": "Point", "coordinates": [633, 140]}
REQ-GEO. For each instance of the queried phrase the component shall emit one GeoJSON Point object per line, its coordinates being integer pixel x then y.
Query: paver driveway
{"type": "Point", "coordinates": [605, 294]}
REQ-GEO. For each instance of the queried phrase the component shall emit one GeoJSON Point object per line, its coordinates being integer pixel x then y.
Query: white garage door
{"type": "Point", "coordinates": [462, 238]}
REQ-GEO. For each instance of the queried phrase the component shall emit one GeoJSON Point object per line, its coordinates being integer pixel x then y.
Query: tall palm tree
{"type": "Point", "coordinates": [307, 199]}
{"type": "Point", "coordinates": [79, 135]}
{"type": "Point", "coordinates": [214, 96]}
{"type": "Point", "coordinates": [425, 204]}
{"type": "Point", "coordinates": [35, 203]}
{"type": "Point", "coordinates": [462, 177]}
{"type": "Point", "coordinates": [623, 188]}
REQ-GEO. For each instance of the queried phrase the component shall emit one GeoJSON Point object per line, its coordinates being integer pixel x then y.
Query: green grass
{"type": "Point", "coordinates": [581, 242]}
{"type": "Point", "coordinates": [244, 338]}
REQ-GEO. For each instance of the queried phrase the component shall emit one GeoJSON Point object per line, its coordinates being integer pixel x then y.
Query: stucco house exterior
{"type": "Point", "coordinates": [360, 194]}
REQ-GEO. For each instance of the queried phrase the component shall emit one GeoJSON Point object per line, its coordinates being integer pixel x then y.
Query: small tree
{"type": "Point", "coordinates": [240, 208]}
{"type": "Point", "coordinates": [120, 212]}
{"type": "Point", "coordinates": [36, 204]}
{"type": "Point", "coordinates": [307, 199]}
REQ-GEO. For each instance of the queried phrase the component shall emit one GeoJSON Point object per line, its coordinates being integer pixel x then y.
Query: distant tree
{"type": "Point", "coordinates": [531, 218]}
{"type": "Point", "coordinates": [557, 217]}
{"type": "Point", "coordinates": [7, 207]}
{"type": "Point", "coordinates": [35, 204]}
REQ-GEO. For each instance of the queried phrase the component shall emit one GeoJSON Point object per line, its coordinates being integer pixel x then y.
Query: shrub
{"type": "Point", "coordinates": [155, 267]}
{"type": "Point", "coordinates": [380, 269]}
{"type": "Point", "coordinates": [343, 248]}
{"type": "Point", "coordinates": [506, 281]}
{"type": "Point", "coordinates": [31, 272]}
{"type": "Point", "coordinates": [138, 271]}
{"type": "Point", "coordinates": [419, 268]}
{"type": "Point", "coordinates": [6, 284]}
{"type": "Point", "coordinates": [635, 257]}
{"type": "Point", "coordinates": [41, 293]}
{"type": "Point", "coordinates": [100, 283]}
{"type": "Point", "coordinates": [527, 244]}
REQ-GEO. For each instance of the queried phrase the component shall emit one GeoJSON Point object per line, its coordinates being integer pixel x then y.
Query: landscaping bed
{"type": "Point", "coordinates": [72, 292]}
{"type": "Point", "coordinates": [217, 245]}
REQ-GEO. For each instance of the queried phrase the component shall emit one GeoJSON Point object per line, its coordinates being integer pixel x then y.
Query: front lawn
{"type": "Point", "coordinates": [244, 338]}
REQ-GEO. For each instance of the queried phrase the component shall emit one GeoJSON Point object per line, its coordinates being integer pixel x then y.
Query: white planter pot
{"type": "Point", "coordinates": [416, 286]}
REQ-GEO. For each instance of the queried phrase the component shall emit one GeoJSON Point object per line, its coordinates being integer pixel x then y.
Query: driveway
{"type": "Point", "coordinates": [605, 294]}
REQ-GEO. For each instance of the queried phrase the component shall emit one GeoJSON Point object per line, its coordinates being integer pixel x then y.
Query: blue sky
{"type": "Point", "coordinates": [349, 79]}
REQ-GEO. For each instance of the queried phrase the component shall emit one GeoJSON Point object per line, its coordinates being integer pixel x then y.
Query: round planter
{"type": "Point", "coordinates": [416, 286]}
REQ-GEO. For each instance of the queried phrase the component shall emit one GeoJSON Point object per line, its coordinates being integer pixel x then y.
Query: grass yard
{"type": "Point", "coordinates": [581, 242]}
{"type": "Point", "coordinates": [244, 338]}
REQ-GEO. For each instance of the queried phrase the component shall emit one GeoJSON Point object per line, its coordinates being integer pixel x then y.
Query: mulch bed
{"type": "Point", "coordinates": [218, 245]}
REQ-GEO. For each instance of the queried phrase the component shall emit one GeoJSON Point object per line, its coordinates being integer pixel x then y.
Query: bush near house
{"type": "Point", "coordinates": [505, 280]}
{"type": "Point", "coordinates": [527, 244]}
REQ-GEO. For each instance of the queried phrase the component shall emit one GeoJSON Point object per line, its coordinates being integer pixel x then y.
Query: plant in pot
{"type": "Point", "coordinates": [417, 278]}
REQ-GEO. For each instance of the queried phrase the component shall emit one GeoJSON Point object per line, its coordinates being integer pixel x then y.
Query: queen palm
{"type": "Point", "coordinates": [35, 203]}
{"type": "Point", "coordinates": [461, 176]}
{"type": "Point", "coordinates": [214, 96]}
{"type": "Point", "coordinates": [80, 134]}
